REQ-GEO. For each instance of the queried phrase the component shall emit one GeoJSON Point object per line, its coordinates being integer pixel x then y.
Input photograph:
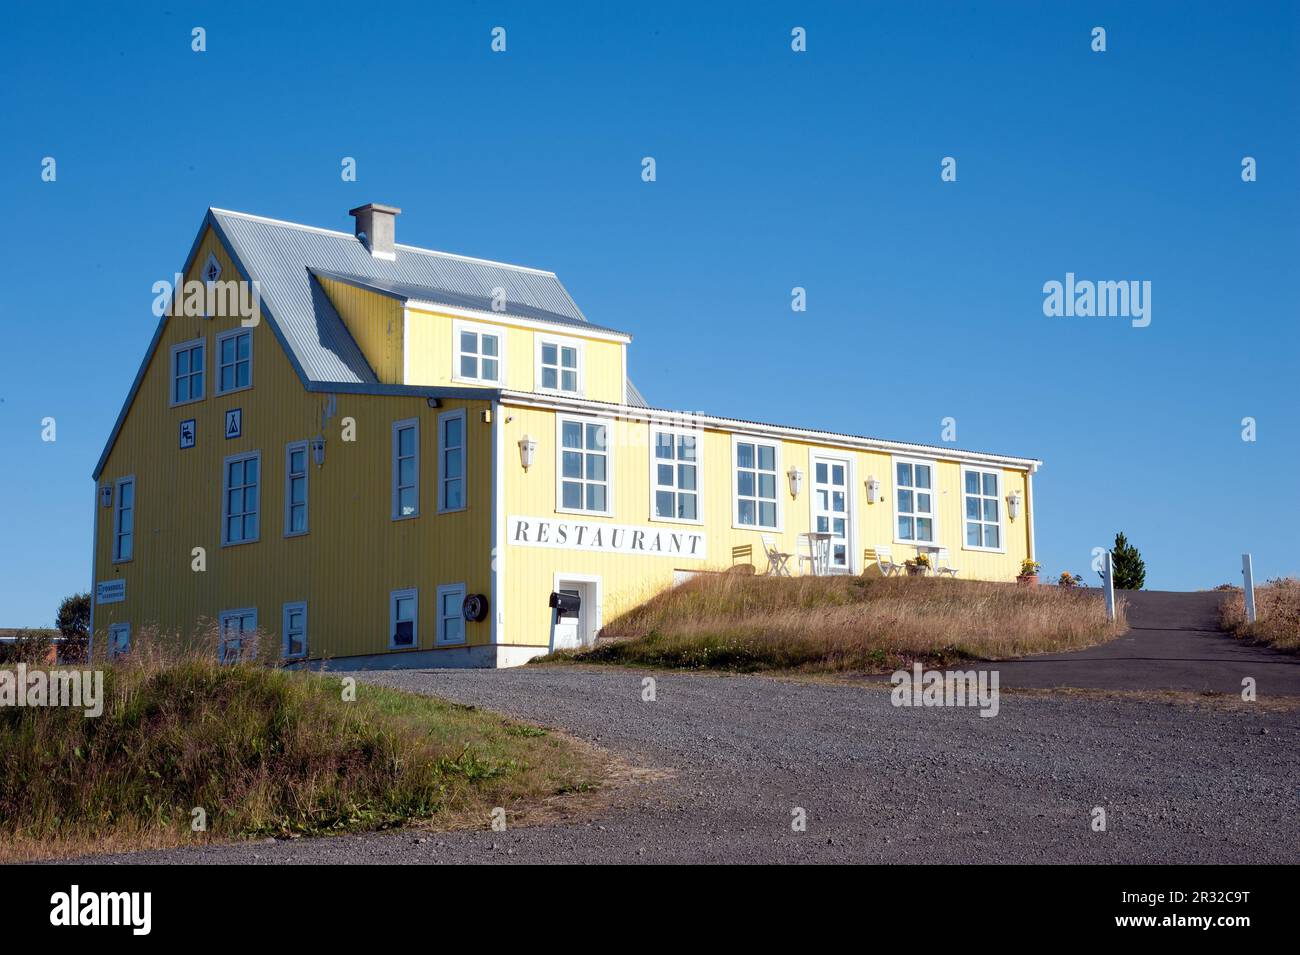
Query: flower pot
{"type": "Point", "coordinates": [916, 570]}
{"type": "Point", "coordinates": [1027, 580]}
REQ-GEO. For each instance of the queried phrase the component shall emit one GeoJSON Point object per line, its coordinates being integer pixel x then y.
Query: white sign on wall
{"type": "Point", "coordinates": [569, 534]}
{"type": "Point", "coordinates": [110, 591]}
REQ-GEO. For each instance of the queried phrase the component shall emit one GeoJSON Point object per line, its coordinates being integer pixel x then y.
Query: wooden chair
{"type": "Point", "coordinates": [883, 558]}
{"type": "Point", "coordinates": [777, 560]}
{"type": "Point", "coordinates": [744, 554]}
{"type": "Point", "coordinates": [943, 564]}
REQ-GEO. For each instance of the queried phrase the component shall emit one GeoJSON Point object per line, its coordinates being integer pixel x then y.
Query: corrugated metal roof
{"type": "Point", "coordinates": [634, 397]}
{"type": "Point", "coordinates": [406, 291]}
{"type": "Point", "coordinates": [281, 256]}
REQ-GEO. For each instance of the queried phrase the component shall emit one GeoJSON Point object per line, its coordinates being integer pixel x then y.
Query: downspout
{"type": "Point", "coordinates": [498, 530]}
{"type": "Point", "coordinates": [1029, 510]}
{"type": "Point", "coordinates": [94, 553]}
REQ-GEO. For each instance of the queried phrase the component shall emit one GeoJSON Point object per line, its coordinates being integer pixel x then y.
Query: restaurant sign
{"type": "Point", "coordinates": [607, 538]}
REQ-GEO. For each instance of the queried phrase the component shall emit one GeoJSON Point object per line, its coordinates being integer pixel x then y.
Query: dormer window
{"type": "Point", "coordinates": [559, 365]}
{"type": "Point", "coordinates": [478, 354]}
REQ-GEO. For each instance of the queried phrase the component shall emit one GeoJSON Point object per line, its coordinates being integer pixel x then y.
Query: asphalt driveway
{"type": "Point", "coordinates": [1173, 643]}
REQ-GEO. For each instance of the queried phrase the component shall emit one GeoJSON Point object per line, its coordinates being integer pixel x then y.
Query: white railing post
{"type": "Point", "coordinates": [1248, 579]}
{"type": "Point", "coordinates": [1108, 586]}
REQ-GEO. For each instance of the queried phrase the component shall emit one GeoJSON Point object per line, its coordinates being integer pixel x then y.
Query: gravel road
{"type": "Point", "coordinates": [1179, 780]}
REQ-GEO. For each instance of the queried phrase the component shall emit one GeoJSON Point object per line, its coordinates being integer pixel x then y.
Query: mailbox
{"type": "Point", "coordinates": [565, 605]}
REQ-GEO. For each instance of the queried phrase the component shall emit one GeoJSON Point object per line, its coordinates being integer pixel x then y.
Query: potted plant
{"type": "Point", "coordinates": [918, 566]}
{"type": "Point", "coordinates": [1069, 580]}
{"type": "Point", "coordinates": [1028, 576]}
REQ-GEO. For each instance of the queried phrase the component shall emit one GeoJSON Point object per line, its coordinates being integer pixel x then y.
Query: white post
{"type": "Point", "coordinates": [1248, 578]}
{"type": "Point", "coordinates": [1108, 586]}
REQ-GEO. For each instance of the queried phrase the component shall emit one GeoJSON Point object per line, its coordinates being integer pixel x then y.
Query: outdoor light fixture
{"type": "Point", "coordinates": [318, 450]}
{"type": "Point", "coordinates": [1013, 505]}
{"type": "Point", "coordinates": [527, 448]}
{"type": "Point", "coordinates": [796, 480]}
{"type": "Point", "coordinates": [873, 489]}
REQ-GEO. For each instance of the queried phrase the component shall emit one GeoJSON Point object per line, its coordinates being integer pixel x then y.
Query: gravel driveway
{"type": "Point", "coordinates": [1180, 781]}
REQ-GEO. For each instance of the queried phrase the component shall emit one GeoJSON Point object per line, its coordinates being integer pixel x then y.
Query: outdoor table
{"type": "Point", "coordinates": [819, 549]}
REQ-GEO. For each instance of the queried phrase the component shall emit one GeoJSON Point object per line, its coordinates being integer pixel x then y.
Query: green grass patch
{"type": "Point", "coordinates": [263, 752]}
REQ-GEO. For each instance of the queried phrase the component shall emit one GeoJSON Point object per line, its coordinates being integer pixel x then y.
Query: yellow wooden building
{"type": "Point", "coordinates": [388, 456]}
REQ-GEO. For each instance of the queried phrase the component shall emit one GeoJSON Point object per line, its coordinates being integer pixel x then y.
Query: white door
{"type": "Point", "coordinates": [831, 507]}
{"type": "Point", "coordinates": [568, 625]}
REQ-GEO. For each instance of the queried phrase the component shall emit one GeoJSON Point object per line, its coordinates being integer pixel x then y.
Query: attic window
{"type": "Point", "coordinates": [211, 269]}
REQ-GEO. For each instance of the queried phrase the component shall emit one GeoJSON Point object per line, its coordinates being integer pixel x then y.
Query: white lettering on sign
{"type": "Point", "coordinates": [608, 538]}
{"type": "Point", "coordinates": [110, 591]}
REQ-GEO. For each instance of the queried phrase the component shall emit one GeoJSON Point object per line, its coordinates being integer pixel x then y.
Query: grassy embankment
{"type": "Point", "coordinates": [838, 624]}
{"type": "Point", "coordinates": [1277, 614]}
{"type": "Point", "coordinates": [264, 752]}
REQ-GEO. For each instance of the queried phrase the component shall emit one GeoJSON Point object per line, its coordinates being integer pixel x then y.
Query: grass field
{"type": "Point", "coordinates": [748, 623]}
{"type": "Point", "coordinates": [263, 752]}
{"type": "Point", "coordinates": [1277, 614]}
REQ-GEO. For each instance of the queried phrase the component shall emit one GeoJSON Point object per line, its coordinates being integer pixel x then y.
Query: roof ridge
{"type": "Point", "coordinates": [409, 248]}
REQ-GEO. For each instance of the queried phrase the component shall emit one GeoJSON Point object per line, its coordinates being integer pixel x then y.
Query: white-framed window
{"type": "Point", "coordinates": [234, 360]}
{"type": "Point", "coordinates": [914, 509]}
{"type": "Point", "coordinates": [451, 613]}
{"type": "Point", "coordinates": [406, 469]}
{"type": "Point", "coordinates": [293, 630]}
{"type": "Point", "coordinates": [119, 640]}
{"type": "Point", "coordinates": [584, 465]}
{"type": "Point", "coordinates": [559, 365]}
{"type": "Point", "coordinates": [675, 459]}
{"type": "Point", "coordinates": [241, 486]}
{"type": "Point", "coordinates": [238, 635]}
{"type": "Point", "coordinates": [479, 353]}
{"type": "Point", "coordinates": [404, 619]}
{"type": "Point", "coordinates": [295, 489]}
{"type": "Point", "coordinates": [756, 488]}
{"type": "Point", "coordinates": [124, 520]}
{"type": "Point", "coordinates": [187, 371]}
{"type": "Point", "coordinates": [451, 461]}
{"type": "Point", "coordinates": [982, 507]}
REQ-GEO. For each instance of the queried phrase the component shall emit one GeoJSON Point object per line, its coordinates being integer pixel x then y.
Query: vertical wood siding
{"type": "Point", "coordinates": [431, 348]}
{"type": "Point", "coordinates": [354, 554]}
{"type": "Point", "coordinates": [375, 321]}
{"type": "Point", "coordinates": [529, 572]}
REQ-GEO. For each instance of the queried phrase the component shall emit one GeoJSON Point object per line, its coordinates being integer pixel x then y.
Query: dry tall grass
{"type": "Point", "coordinates": [726, 621]}
{"type": "Point", "coordinates": [1277, 614]}
{"type": "Point", "coordinates": [263, 752]}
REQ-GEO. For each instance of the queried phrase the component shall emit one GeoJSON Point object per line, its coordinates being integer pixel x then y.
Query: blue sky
{"type": "Point", "coordinates": [774, 170]}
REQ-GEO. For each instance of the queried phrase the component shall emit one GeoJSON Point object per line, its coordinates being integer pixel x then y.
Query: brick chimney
{"type": "Point", "coordinates": [374, 227]}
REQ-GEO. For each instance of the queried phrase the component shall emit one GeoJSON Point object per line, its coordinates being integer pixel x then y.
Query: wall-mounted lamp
{"type": "Point", "coordinates": [796, 480]}
{"type": "Point", "coordinates": [1013, 505]}
{"type": "Point", "coordinates": [318, 450]}
{"type": "Point", "coordinates": [487, 415]}
{"type": "Point", "coordinates": [527, 448]}
{"type": "Point", "coordinates": [873, 489]}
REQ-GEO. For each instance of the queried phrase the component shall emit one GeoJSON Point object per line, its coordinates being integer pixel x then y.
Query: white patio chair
{"type": "Point", "coordinates": [809, 558]}
{"type": "Point", "coordinates": [777, 560]}
{"type": "Point", "coordinates": [884, 559]}
{"type": "Point", "coordinates": [943, 564]}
